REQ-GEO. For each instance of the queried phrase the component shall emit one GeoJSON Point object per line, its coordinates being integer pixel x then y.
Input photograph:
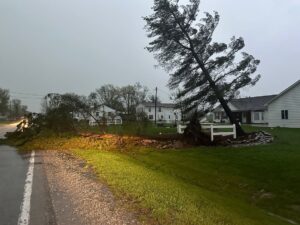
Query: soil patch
{"type": "Point", "coordinates": [178, 141]}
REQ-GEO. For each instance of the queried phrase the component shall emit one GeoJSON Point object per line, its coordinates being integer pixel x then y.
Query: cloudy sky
{"type": "Point", "coordinates": [79, 45]}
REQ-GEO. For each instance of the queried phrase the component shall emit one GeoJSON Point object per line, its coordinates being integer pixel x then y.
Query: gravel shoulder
{"type": "Point", "coordinates": [78, 197]}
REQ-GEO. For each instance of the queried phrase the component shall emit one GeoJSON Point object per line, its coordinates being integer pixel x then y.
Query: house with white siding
{"type": "Point", "coordinates": [284, 109]}
{"type": "Point", "coordinates": [103, 114]}
{"type": "Point", "coordinates": [250, 110]}
{"type": "Point", "coordinates": [165, 112]}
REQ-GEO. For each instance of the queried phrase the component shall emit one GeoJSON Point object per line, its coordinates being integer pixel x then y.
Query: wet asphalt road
{"type": "Point", "coordinates": [13, 170]}
{"type": "Point", "coordinates": [7, 128]}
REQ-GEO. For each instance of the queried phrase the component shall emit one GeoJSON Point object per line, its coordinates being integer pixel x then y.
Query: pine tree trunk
{"type": "Point", "coordinates": [239, 129]}
{"type": "Point", "coordinates": [232, 118]}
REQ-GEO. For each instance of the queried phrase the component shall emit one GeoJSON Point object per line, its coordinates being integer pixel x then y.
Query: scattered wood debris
{"type": "Point", "coordinates": [257, 138]}
{"type": "Point", "coordinates": [122, 143]}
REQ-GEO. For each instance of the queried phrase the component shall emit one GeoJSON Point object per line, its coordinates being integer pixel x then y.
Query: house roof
{"type": "Point", "coordinates": [284, 92]}
{"type": "Point", "coordinates": [101, 107]}
{"type": "Point", "coordinates": [163, 105]}
{"type": "Point", "coordinates": [251, 103]}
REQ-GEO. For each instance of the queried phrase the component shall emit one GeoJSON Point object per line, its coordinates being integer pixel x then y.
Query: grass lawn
{"type": "Point", "coordinates": [133, 128]}
{"type": "Point", "coordinates": [4, 122]}
{"type": "Point", "coordinates": [204, 185]}
{"type": "Point", "coordinates": [250, 185]}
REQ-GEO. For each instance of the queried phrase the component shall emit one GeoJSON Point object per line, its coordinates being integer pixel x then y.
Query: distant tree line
{"type": "Point", "coordinates": [59, 110]}
{"type": "Point", "coordinates": [11, 108]}
{"type": "Point", "coordinates": [122, 99]}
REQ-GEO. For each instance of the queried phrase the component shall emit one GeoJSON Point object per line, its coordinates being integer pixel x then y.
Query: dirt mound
{"type": "Point", "coordinates": [179, 141]}
{"type": "Point", "coordinates": [116, 141]}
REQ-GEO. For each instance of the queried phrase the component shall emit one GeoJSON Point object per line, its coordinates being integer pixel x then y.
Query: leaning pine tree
{"type": "Point", "coordinates": [207, 72]}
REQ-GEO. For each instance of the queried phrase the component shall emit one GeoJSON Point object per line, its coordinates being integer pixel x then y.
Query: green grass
{"type": "Point", "coordinates": [4, 122]}
{"type": "Point", "coordinates": [133, 128]}
{"type": "Point", "coordinates": [210, 185]}
{"type": "Point", "coordinates": [203, 185]}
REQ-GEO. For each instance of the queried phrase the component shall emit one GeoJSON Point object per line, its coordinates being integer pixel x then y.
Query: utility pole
{"type": "Point", "coordinates": [128, 103]}
{"type": "Point", "coordinates": [10, 112]}
{"type": "Point", "coordinates": [155, 104]}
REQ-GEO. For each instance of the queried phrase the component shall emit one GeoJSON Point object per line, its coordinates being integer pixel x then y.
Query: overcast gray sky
{"type": "Point", "coordinates": [79, 45]}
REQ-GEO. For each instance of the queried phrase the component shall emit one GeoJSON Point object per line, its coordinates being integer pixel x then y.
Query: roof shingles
{"type": "Point", "coordinates": [252, 103]}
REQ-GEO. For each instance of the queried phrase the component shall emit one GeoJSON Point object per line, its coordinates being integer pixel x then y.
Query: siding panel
{"type": "Point", "coordinates": [289, 101]}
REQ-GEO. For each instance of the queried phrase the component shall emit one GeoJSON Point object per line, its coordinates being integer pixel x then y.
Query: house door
{"type": "Point", "coordinates": [248, 115]}
{"type": "Point", "coordinates": [238, 116]}
{"type": "Point", "coordinates": [244, 117]}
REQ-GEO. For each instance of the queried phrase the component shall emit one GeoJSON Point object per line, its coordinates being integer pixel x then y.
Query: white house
{"type": "Point", "coordinates": [165, 112]}
{"type": "Point", "coordinates": [281, 110]}
{"type": "Point", "coordinates": [103, 113]}
{"type": "Point", "coordinates": [284, 109]}
{"type": "Point", "coordinates": [250, 110]}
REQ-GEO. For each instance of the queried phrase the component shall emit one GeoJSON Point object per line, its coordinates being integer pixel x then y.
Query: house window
{"type": "Point", "coordinates": [285, 114]}
{"type": "Point", "coordinates": [149, 109]}
{"type": "Point", "coordinates": [97, 113]}
{"type": "Point", "coordinates": [217, 115]}
{"type": "Point", "coordinates": [150, 117]}
{"type": "Point", "coordinates": [256, 115]}
{"type": "Point", "coordinates": [159, 109]}
{"type": "Point", "coordinates": [262, 116]}
{"type": "Point", "coordinates": [161, 116]}
{"type": "Point", "coordinates": [169, 117]}
{"type": "Point", "coordinates": [223, 115]}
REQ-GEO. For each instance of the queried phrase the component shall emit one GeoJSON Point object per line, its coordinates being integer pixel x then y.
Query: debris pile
{"type": "Point", "coordinates": [110, 141]}
{"type": "Point", "coordinates": [257, 138]}
{"type": "Point", "coordinates": [123, 143]}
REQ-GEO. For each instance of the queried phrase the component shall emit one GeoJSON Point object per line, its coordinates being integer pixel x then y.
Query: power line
{"type": "Point", "coordinates": [155, 102]}
{"type": "Point", "coordinates": [26, 97]}
{"type": "Point", "coordinates": [27, 94]}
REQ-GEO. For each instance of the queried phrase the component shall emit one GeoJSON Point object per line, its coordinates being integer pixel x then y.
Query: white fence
{"type": "Point", "coordinates": [180, 128]}
{"type": "Point", "coordinates": [213, 132]}
{"type": "Point", "coordinates": [116, 121]}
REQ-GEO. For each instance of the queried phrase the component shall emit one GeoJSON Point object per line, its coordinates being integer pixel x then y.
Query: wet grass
{"type": "Point", "coordinates": [203, 185]}
{"type": "Point", "coordinates": [210, 185]}
{"type": "Point", "coordinates": [133, 128]}
{"type": "Point", "coordinates": [4, 122]}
